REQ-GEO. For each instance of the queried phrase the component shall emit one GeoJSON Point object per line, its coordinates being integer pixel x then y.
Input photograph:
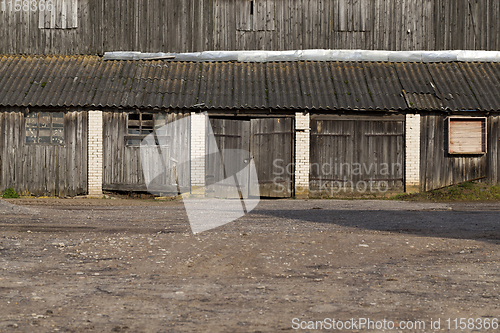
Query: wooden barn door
{"type": "Point", "coordinates": [356, 156]}
{"type": "Point", "coordinates": [383, 154]}
{"type": "Point", "coordinates": [332, 144]}
{"type": "Point", "coordinates": [268, 140]}
{"type": "Point", "coordinates": [227, 154]}
{"type": "Point", "coordinates": [272, 150]}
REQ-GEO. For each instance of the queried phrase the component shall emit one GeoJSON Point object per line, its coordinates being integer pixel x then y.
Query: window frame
{"type": "Point", "coordinates": [484, 134]}
{"type": "Point", "coordinates": [38, 116]}
{"type": "Point", "coordinates": [130, 137]}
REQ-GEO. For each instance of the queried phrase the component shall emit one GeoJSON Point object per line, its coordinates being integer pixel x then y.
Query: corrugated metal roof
{"type": "Point", "coordinates": [419, 86]}
{"type": "Point", "coordinates": [384, 86]}
{"type": "Point", "coordinates": [89, 81]}
{"type": "Point", "coordinates": [453, 88]}
{"type": "Point", "coordinates": [484, 80]}
{"type": "Point", "coordinates": [233, 85]}
{"type": "Point", "coordinates": [284, 92]}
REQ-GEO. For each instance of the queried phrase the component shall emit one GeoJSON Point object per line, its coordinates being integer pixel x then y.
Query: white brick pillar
{"type": "Point", "coordinates": [302, 146]}
{"type": "Point", "coordinates": [412, 158]}
{"type": "Point", "coordinates": [95, 153]}
{"type": "Point", "coordinates": [198, 141]}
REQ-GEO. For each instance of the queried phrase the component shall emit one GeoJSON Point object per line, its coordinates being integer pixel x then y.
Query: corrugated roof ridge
{"type": "Point", "coordinates": [100, 58]}
{"type": "Point", "coordinates": [48, 56]}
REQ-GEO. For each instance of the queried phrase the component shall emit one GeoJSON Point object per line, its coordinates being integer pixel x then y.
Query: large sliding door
{"type": "Point", "coordinates": [356, 156]}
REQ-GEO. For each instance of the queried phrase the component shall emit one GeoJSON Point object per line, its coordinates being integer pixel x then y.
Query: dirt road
{"type": "Point", "coordinates": [74, 265]}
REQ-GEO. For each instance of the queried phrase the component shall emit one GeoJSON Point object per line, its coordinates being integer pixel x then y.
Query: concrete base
{"type": "Point", "coordinates": [412, 189]}
{"type": "Point", "coordinates": [301, 193]}
{"type": "Point", "coordinates": [197, 192]}
{"type": "Point", "coordinates": [96, 196]}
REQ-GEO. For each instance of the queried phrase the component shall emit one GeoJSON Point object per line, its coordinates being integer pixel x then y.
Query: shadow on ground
{"type": "Point", "coordinates": [460, 221]}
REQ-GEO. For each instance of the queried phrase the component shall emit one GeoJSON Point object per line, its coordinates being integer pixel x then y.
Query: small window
{"type": "Point", "coordinates": [45, 128]}
{"type": "Point", "coordinates": [255, 15]}
{"type": "Point", "coordinates": [466, 135]}
{"type": "Point", "coordinates": [139, 125]}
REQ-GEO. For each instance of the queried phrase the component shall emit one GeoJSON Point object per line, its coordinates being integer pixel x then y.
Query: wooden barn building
{"type": "Point", "coordinates": [72, 124]}
{"type": "Point", "coordinates": [351, 123]}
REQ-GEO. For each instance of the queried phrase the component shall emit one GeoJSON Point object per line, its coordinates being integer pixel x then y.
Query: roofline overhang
{"type": "Point", "coordinates": [313, 55]}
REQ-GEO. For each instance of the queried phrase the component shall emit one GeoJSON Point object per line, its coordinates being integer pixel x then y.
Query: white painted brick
{"type": "Point", "coordinates": [412, 157]}
{"type": "Point", "coordinates": [198, 136]}
{"type": "Point", "coordinates": [95, 122]}
{"type": "Point", "coordinates": [302, 146]}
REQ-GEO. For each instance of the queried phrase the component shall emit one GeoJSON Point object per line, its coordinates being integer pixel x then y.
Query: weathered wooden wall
{"type": "Point", "coordinates": [439, 169]}
{"type": "Point", "coordinates": [494, 149]}
{"type": "Point", "coordinates": [41, 169]}
{"type": "Point", "coordinates": [21, 32]}
{"type": "Point", "coordinates": [187, 25]}
{"type": "Point", "coordinates": [122, 164]}
{"type": "Point", "coordinates": [356, 156]}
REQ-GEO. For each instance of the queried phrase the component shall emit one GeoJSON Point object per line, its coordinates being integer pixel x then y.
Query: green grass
{"type": "Point", "coordinates": [10, 194]}
{"type": "Point", "coordinates": [469, 191]}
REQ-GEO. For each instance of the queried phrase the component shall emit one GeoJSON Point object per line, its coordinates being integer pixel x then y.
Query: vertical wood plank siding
{"type": "Point", "coordinates": [438, 168]}
{"type": "Point", "coordinates": [186, 26]}
{"type": "Point", "coordinates": [494, 149]}
{"type": "Point", "coordinates": [43, 169]}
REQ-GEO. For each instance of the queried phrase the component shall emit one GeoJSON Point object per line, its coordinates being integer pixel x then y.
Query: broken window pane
{"type": "Point", "coordinates": [32, 128]}
{"type": "Point", "coordinates": [134, 123]}
{"type": "Point", "coordinates": [57, 128]}
{"type": "Point", "coordinates": [147, 123]}
{"type": "Point", "coordinates": [57, 136]}
{"type": "Point", "coordinates": [44, 120]}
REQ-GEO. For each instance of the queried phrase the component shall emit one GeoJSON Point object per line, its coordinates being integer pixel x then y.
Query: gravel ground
{"type": "Point", "coordinates": [75, 265]}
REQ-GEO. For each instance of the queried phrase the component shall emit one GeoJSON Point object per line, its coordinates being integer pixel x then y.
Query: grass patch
{"type": "Point", "coordinates": [10, 194]}
{"type": "Point", "coordinates": [469, 191]}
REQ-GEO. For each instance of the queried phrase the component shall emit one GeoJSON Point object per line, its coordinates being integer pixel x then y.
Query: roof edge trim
{"type": "Point", "coordinates": [314, 55]}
